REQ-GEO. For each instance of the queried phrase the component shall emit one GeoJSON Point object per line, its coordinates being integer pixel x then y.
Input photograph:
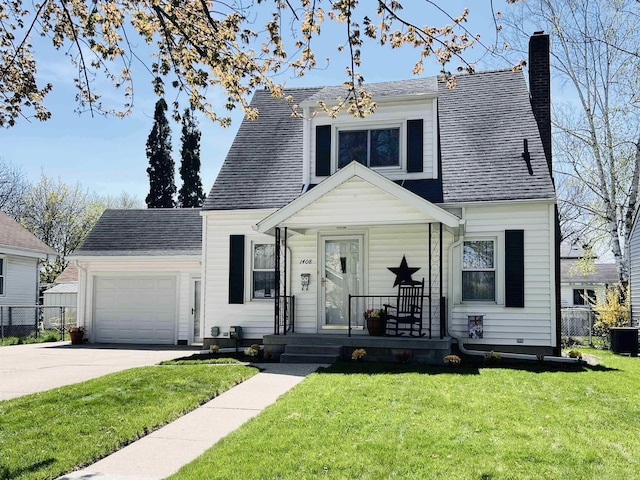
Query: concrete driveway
{"type": "Point", "coordinates": [34, 368]}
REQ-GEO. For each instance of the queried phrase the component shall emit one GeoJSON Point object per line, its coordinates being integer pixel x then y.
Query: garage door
{"type": "Point", "coordinates": [135, 310]}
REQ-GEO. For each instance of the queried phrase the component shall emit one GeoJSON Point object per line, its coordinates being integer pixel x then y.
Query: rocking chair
{"type": "Point", "coordinates": [406, 314]}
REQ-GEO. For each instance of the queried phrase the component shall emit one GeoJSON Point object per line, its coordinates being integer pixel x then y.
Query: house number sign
{"type": "Point", "coordinates": [306, 261]}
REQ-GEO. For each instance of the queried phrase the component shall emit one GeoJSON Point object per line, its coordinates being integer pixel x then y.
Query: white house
{"type": "Point", "coordinates": [580, 286]}
{"type": "Point", "coordinates": [63, 293]}
{"type": "Point", "coordinates": [314, 219]}
{"type": "Point", "coordinates": [20, 254]}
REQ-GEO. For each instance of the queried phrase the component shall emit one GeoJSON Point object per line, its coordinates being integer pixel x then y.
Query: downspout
{"type": "Point", "coordinates": [509, 355]}
{"type": "Point", "coordinates": [81, 302]}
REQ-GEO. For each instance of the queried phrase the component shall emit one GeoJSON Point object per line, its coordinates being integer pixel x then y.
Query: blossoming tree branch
{"type": "Point", "coordinates": [194, 45]}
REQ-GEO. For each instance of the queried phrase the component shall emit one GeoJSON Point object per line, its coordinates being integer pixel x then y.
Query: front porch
{"type": "Point", "coordinates": [326, 348]}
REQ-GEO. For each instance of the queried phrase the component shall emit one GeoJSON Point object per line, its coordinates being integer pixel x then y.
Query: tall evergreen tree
{"type": "Point", "coordinates": [162, 185]}
{"type": "Point", "coordinates": [190, 194]}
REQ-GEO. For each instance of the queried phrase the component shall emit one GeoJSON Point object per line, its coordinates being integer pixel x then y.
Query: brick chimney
{"type": "Point", "coordinates": [540, 89]}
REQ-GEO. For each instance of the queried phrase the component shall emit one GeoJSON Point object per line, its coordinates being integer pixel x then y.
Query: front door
{"type": "Point", "coordinates": [342, 274]}
{"type": "Point", "coordinates": [195, 310]}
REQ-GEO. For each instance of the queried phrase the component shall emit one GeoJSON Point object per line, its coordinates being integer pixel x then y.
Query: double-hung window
{"type": "Point", "coordinates": [479, 270]}
{"type": "Point", "coordinates": [378, 147]}
{"type": "Point", "coordinates": [263, 275]}
{"type": "Point", "coordinates": [2, 275]}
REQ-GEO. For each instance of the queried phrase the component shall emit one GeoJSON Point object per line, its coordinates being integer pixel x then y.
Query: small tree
{"type": "Point", "coordinates": [190, 194]}
{"type": "Point", "coordinates": [611, 311]}
{"type": "Point", "coordinates": [162, 185]}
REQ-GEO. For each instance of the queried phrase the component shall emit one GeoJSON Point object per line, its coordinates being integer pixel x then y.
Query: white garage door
{"type": "Point", "coordinates": [135, 310]}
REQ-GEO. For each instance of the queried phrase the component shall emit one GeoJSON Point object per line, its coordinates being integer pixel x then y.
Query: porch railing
{"type": "Point", "coordinates": [285, 319]}
{"type": "Point", "coordinates": [358, 304]}
{"type": "Point", "coordinates": [31, 320]}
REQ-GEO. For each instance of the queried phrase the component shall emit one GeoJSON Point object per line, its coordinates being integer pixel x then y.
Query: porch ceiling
{"type": "Point", "coordinates": [357, 196]}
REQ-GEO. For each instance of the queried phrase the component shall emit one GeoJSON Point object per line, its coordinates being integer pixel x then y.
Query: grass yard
{"type": "Point", "coordinates": [46, 336]}
{"type": "Point", "coordinates": [368, 421]}
{"type": "Point", "coordinates": [44, 435]}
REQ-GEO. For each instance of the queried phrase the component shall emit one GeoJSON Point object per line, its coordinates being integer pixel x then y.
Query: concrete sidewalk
{"type": "Point", "coordinates": [164, 451]}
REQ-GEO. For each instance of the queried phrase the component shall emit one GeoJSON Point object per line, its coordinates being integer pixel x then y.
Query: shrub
{"type": "Point", "coordinates": [611, 311]}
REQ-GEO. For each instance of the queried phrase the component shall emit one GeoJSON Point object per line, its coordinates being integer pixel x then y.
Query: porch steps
{"type": "Point", "coordinates": [296, 353]}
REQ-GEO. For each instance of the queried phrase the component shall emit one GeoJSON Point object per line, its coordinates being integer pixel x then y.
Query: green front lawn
{"type": "Point", "coordinates": [367, 421]}
{"type": "Point", "coordinates": [45, 435]}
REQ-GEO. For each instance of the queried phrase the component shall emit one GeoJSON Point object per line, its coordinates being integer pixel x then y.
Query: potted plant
{"type": "Point", "coordinates": [77, 335]}
{"type": "Point", "coordinates": [376, 321]}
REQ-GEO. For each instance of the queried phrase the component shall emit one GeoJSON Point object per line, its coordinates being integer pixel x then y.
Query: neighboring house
{"type": "Point", "coordinates": [634, 271]}
{"type": "Point", "coordinates": [20, 254]}
{"type": "Point", "coordinates": [63, 293]}
{"type": "Point", "coordinates": [583, 285]}
{"type": "Point", "coordinates": [139, 277]}
{"type": "Point", "coordinates": [450, 185]}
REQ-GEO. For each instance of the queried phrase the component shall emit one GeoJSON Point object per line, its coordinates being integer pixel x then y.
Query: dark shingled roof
{"type": "Point", "coordinates": [15, 236]}
{"type": "Point", "coordinates": [263, 168]}
{"type": "Point", "coordinates": [483, 123]}
{"type": "Point", "coordinates": [156, 231]}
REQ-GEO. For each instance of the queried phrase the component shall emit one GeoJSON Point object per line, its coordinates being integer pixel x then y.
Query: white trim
{"type": "Point", "coordinates": [552, 277]}
{"type": "Point", "coordinates": [434, 136]}
{"type": "Point", "coordinates": [24, 253]}
{"type": "Point", "coordinates": [363, 238]}
{"type": "Point", "coordinates": [497, 203]}
{"type": "Point", "coordinates": [354, 169]}
{"type": "Point", "coordinates": [252, 241]}
{"type": "Point", "coordinates": [383, 99]}
{"type": "Point", "coordinates": [192, 308]}
{"type": "Point", "coordinates": [3, 276]}
{"type": "Point", "coordinates": [390, 124]}
{"type": "Point", "coordinates": [121, 258]}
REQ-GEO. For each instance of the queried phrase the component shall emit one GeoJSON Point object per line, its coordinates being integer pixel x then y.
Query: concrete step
{"type": "Point", "coordinates": [313, 349]}
{"type": "Point", "coordinates": [307, 358]}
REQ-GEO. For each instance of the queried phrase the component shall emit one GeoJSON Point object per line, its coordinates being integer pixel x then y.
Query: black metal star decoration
{"type": "Point", "coordinates": [403, 273]}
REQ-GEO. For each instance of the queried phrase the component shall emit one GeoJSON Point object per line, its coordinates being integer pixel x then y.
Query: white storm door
{"type": "Point", "coordinates": [341, 275]}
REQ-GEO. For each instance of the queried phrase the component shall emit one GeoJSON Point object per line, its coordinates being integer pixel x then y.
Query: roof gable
{"type": "Point", "coordinates": [17, 239]}
{"type": "Point", "coordinates": [362, 196]}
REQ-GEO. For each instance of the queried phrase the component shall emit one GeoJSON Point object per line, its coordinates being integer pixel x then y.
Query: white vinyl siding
{"type": "Point", "coordinates": [183, 269]}
{"type": "Point", "coordinates": [384, 248]}
{"type": "Point", "coordinates": [20, 280]}
{"type": "Point", "coordinates": [534, 324]}
{"type": "Point", "coordinates": [386, 115]}
{"type": "Point", "coordinates": [359, 204]}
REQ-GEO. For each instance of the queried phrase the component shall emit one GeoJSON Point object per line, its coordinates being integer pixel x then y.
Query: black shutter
{"type": "Point", "coordinates": [323, 150]}
{"type": "Point", "coordinates": [514, 268]}
{"type": "Point", "coordinates": [415, 157]}
{"type": "Point", "coordinates": [236, 269]}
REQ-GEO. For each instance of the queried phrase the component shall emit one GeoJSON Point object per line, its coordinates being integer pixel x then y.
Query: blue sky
{"type": "Point", "coordinates": [107, 155]}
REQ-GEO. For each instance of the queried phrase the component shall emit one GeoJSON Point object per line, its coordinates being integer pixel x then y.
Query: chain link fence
{"type": "Point", "coordinates": [580, 327]}
{"type": "Point", "coordinates": [32, 320]}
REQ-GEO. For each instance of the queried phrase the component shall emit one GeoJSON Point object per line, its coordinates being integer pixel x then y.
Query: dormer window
{"type": "Point", "coordinates": [373, 148]}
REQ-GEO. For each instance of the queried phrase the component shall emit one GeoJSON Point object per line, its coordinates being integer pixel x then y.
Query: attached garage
{"type": "Point", "coordinates": [135, 310]}
{"type": "Point", "coordinates": [139, 273]}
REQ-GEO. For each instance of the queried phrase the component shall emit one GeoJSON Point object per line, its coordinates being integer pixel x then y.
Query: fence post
{"type": "Point", "coordinates": [2, 322]}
